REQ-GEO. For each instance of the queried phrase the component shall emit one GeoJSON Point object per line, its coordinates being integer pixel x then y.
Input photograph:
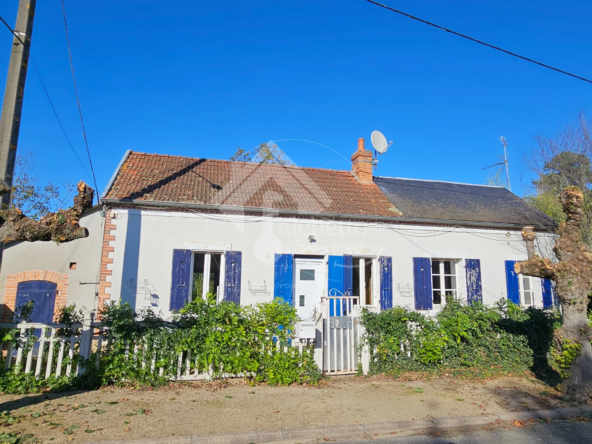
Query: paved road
{"type": "Point", "coordinates": [558, 432]}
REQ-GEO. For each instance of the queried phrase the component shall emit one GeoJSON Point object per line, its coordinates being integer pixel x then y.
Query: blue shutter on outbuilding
{"type": "Point", "coordinates": [422, 283]}
{"type": "Point", "coordinates": [547, 285]}
{"type": "Point", "coordinates": [232, 276]}
{"type": "Point", "coordinates": [283, 277]}
{"type": "Point", "coordinates": [348, 275]}
{"type": "Point", "coordinates": [474, 287]}
{"type": "Point", "coordinates": [181, 279]}
{"type": "Point", "coordinates": [512, 283]}
{"type": "Point", "coordinates": [386, 282]}
{"type": "Point", "coordinates": [42, 294]}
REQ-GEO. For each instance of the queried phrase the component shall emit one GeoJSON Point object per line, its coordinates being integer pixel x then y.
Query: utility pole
{"type": "Point", "coordinates": [12, 106]}
{"type": "Point", "coordinates": [506, 163]}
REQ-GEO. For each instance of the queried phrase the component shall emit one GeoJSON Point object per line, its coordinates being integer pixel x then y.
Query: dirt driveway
{"type": "Point", "coordinates": [212, 408]}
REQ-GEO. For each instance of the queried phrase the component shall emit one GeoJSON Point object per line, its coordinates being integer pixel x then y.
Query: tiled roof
{"type": "Point", "coordinates": [159, 178]}
{"type": "Point", "coordinates": [448, 201]}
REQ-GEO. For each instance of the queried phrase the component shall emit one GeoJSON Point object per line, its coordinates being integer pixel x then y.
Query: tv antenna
{"type": "Point", "coordinates": [503, 162]}
{"type": "Point", "coordinates": [380, 145]}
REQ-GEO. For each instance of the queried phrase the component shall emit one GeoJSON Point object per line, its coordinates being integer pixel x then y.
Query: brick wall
{"type": "Point", "coordinates": [13, 279]}
{"type": "Point", "coordinates": [106, 261]}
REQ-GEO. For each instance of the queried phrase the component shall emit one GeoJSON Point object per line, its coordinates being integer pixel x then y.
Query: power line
{"type": "Point", "coordinates": [479, 41]}
{"type": "Point", "coordinates": [78, 100]}
{"type": "Point", "coordinates": [48, 97]}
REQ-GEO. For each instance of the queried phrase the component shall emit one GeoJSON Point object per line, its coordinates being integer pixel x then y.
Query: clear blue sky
{"type": "Point", "coordinates": [201, 78]}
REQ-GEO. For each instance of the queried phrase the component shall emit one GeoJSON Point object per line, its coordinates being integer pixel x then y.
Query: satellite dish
{"type": "Point", "coordinates": [379, 142]}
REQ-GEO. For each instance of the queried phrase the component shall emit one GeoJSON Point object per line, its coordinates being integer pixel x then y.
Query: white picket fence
{"type": "Point", "coordinates": [39, 348]}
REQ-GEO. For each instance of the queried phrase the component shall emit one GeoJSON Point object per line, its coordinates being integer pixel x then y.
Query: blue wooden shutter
{"type": "Point", "coordinates": [335, 285]}
{"type": "Point", "coordinates": [181, 278]}
{"type": "Point", "coordinates": [232, 276]}
{"type": "Point", "coordinates": [386, 282]}
{"type": "Point", "coordinates": [474, 287]}
{"type": "Point", "coordinates": [348, 275]}
{"type": "Point", "coordinates": [547, 285]}
{"type": "Point", "coordinates": [422, 283]}
{"type": "Point", "coordinates": [512, 283]}
{"type": "Point", "coordinates": [336, 275]}
{"type": "Point", "coordinates": [283, 277]}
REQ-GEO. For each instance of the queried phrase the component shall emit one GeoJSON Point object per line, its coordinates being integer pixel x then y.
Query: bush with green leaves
{"type": "Point", "coordinates": [502, 338]}
{"type": "Point", "coordinates": [221, 339]}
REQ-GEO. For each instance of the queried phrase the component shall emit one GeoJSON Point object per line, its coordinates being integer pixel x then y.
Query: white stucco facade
{"type": "Point", "coordinates": [145, 240]}
{"type": "Point", "coordinates": [77, 262]}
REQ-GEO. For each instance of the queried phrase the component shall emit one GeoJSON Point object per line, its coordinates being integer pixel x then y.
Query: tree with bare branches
{"type": "Point", "coordinates": [562, 161]}
{"type": "Point", "coordinates": [61, 226]}
{"type": "Point", "coordinates": [573, 278]}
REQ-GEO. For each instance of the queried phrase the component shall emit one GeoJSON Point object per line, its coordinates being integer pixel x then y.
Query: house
{"type": "Point", "coordinates": [172, 229]}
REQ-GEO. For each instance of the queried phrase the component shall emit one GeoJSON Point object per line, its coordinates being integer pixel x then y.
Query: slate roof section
{"type": "Point", "coordinates": [448, 201]}
{"type": "Point", "coordinates": [161, 178]}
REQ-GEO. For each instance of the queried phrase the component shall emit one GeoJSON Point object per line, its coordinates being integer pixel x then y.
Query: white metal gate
{"type": "Point", "coordinates": [341, 334]}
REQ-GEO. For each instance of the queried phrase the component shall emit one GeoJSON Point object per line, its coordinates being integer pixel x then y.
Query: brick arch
{"type": "Point", "coordinates": [13, 279]}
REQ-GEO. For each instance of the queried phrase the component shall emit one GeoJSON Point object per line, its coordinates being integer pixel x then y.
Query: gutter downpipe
{"type": "Point", "coordinates": [318, 214]}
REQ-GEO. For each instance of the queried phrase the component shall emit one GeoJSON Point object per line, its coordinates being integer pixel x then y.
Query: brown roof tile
{"type": "Point", "coordinates": [154, 177]}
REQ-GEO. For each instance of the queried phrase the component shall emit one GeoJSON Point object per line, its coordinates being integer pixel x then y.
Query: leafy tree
{"type": "Point", "coordinates": [266, 153]}
{"type": "Point", "coordinates": [559, 162]}
{"type": "Point", "coordinates": [31, 198]}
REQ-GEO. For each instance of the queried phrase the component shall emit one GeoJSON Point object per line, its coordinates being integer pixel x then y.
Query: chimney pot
{"type": "Point", "coordinates": [361, 144]}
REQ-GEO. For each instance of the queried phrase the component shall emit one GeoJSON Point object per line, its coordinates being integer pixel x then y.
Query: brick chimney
{"type": "Point", "coordinates": [362, 164]}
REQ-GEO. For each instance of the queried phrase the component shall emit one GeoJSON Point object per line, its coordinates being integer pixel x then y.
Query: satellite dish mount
{"type": "Point", "coordinates": [380, 145]}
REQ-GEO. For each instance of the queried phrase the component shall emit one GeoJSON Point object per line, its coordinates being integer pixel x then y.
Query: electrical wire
{"type": "Point", "coordinates": [407, 232]}
{"type": "Point", "coordinates": [48, 98]}
{"type": "Point", "coordinates": [78, 100]}
{"type": "Point", "coordinates": [497, 48]}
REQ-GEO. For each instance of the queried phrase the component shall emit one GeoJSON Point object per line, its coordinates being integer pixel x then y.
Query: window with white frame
{"type": "Point", "coordinates": [526, 291]}
{"type": "Point", "coordinates": [443, 280]}
{"type": "Point", "coordinates": [207, 275]}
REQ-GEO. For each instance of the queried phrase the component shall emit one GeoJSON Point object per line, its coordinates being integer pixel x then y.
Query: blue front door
{"type": "Point", "coordinates": [42, 294]}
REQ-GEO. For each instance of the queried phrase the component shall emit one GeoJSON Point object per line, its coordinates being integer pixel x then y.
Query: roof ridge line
{"type": "Point", "coordinates": [245, 163]}
{"type": "Point", "coordinates": [442, 181]}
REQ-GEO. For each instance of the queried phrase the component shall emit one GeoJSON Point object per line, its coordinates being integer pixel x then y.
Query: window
{"type": "Point", "coordinates": [443, 280]}
{"type": "Point", "coordinates": [206, 265]}
{"type": "Point", "coordinates": [526, 293]}
{"type": "Point", "coordinates": [362, 279]}
{"type": "Point", "coordinates": [307, 275]}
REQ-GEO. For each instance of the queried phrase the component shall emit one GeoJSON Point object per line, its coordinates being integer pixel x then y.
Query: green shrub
{"type": "Point", "coordinates": [222, 339]}
{"type": "Point", "coordinates": [495, 339]}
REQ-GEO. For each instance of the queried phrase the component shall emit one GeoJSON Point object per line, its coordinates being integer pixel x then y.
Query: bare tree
{"type": "Point", "coordinates": [573, 279]}
{"type": "Point", "coordinates": [61, 226]}
{"type": "Point", "coordinates": [29, 196]}
{"type": "Point", "coordinates": [559, 162]}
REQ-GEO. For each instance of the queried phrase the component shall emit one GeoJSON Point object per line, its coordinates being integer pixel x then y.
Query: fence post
{"type": "Point", "coordinates": [85, 343]}
{"type": "Point", "coordinates": [364, 352]}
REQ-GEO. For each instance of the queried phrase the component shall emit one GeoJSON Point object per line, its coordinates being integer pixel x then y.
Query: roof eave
{"type": "Point", "coordinates": [319, 214]}
{"type": "Point", "coordinates": [115, 174]}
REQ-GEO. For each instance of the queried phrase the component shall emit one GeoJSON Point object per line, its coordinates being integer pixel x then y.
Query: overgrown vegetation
{"type": "Point", "coordinates": [221, 339]}
{"type": "Point", "coordinates": [486, 340]}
